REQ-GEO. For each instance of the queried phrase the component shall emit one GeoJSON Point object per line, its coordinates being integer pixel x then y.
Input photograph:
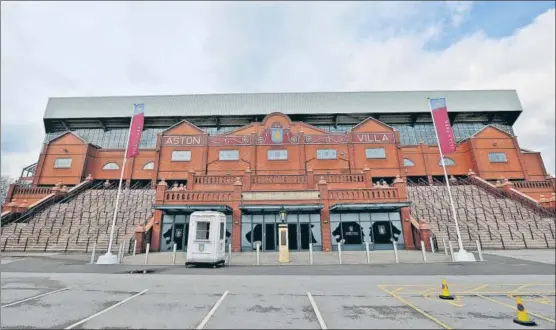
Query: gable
{"type": "Point", "coordinates": [491, 132]}
{"type": "Point", "coordinates": [372, 125]}
{"type": "Point", "coordinates": [182, 128]}
{"type": "Point", "coordinates": [68, 138]}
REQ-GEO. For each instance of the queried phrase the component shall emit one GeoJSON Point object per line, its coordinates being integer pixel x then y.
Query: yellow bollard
{"type": "Point", "coordinates": [522, 316]}
{"type": "Point", "coordinates": [446, 295]}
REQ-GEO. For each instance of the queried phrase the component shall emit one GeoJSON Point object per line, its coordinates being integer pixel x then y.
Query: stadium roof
{"type": "Point", "coordinates": [288, 103]}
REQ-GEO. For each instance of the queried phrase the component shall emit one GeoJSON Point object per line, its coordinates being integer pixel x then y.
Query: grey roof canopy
{"type": "Point", "coordinates": [288, 103]}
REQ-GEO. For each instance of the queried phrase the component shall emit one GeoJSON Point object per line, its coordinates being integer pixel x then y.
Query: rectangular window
{"type": "Point", "coordinates": [181, 156]}
{"type": "Point", "coordinates": [375, 153]}
{"type": "Point", "coordinates": [497, 157]}
{"type": "Point", "coordinates": [228, 155]}
{"type": "Point", "coordinates": [277, 155]}
{"type": "Point", "coordinates": [203, 230]}
{"type": "Point", "coordinates": [326, 153]}
{"type": "Point", "coordinates": [221, 230]}
{"type": "Point", "coordinates": [62, 163]}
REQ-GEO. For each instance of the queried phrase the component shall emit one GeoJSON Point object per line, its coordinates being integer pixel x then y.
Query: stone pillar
{"type": "Point", "coordinates": [399, 183]}
{"type": "Point", "coordinates": [236, 216]}
{"type": "Point", "coordinates": [127, 183]}
{"type": "Point", "coordinates": [191, 180]}
{"type": "Point", "coordinates": [325, 216]}
{"type": "Point", "coordinates": [368, 177]}
{"type": "Point", "coordinates": [407, 228]}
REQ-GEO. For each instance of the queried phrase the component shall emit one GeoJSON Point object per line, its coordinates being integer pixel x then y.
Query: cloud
{"type": "Point", "coordinates": [127, 48]}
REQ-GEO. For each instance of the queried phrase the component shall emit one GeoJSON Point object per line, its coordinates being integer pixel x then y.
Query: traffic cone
{"type": "Point", "coordinates": [522, 316]}
{"type": "Point", "coordinates": [446, 295]}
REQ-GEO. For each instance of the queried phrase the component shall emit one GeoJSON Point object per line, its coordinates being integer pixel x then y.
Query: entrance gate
{"type": "Point", "coordinates": [303, 228]}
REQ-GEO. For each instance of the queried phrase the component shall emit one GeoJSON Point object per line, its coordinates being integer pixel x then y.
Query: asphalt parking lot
{"type": "Point", "coordinates": [118, 301]}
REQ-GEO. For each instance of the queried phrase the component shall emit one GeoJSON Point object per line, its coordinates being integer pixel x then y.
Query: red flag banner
{"type": "Point", "coordinates": [446, 138]}
{"type": "Point", "coordinates": [135, 130]}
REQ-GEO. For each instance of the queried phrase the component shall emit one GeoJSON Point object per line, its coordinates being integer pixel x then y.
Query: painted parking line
{"type": "Point", "coordinates": [417, 309]}
{"type": "Point", "coordinates": [317, 312]}
{"type": "Point", "coordinates": [514, 307]}
{"type": "Point", "coordinates": [34, 297]}
{"type": "Point", "coordinates": [212, 310]}
{"type": "Point", "coordinates": [107, 309]}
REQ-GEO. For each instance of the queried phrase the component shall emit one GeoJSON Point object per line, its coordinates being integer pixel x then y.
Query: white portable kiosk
{"type": "Point", "coordinates": [206, 243]}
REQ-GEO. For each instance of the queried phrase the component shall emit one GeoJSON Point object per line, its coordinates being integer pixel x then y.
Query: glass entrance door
{"type": "Point", "coordinates": [269, 236]}
{"type": "Point", "coordinates": [292, 236]}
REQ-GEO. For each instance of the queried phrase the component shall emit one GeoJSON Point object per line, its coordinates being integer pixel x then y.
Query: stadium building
{"type": "Point", "coordinates": [339, 168]}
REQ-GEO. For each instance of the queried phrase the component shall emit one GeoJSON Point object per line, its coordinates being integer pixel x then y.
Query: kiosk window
{"type": "Point", "coordinates": [203, 230]}
{"type": "Point", "coordinates": [221, 230]}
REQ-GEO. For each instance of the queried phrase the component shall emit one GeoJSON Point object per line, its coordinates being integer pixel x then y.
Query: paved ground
{"type": "Point", "coordinates": [119, 301]}
{"type": "Point", "coordinates": [545, 256]}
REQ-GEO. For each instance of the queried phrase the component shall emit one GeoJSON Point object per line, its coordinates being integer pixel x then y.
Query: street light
{"type": "Point", "coordinates": [283, 215]}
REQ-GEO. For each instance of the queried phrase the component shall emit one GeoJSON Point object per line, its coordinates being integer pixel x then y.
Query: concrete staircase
{"type": "Point", "coordinates": [75, 225]}
{"type": "Point", "coordinates": [495, 221]}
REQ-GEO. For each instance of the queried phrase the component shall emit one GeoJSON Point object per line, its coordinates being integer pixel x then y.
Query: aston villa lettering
{"type": "Point", "coordinates": [373, 138]}
{"type": "Point", "coordinates": [184, 140]}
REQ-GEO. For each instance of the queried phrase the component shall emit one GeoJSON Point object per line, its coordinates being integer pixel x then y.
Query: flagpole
{"type": "Point", "coordinates": [108, 257]}
{"type": "Point", "coordinates": [460, 243]}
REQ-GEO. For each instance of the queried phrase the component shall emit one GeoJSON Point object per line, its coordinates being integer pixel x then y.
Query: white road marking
{"type": "Point", "coordinates": [205, 320]}
{"type": "Point", "coordinates": [316, 309]}
{"type": "Point", "coordinates": [34, 297]}
{"type": "Point", "coordinates": [106, 310]}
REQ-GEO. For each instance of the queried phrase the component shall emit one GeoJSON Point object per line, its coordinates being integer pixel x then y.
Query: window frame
{"type": "Point", "coordinates": [202, 230]}
{"type": "Point", "coordinates": [148, 169]}
{"type": "Point", "coordinates": [61, 166]}
{"type": "Point", "coordinates": [497, 153]}
{"type": "Point", "coordinates": [110, 169]}
{"type": "Point", "coordinates": [228, 150]}
{"type": "Point", "coordinates": [186, 152]}
{"type": "Point", "coordinates": [367, 156]}
{"type": "Point", "coordinates": [408, 162]}
{"type": "Point", "coordinates": [448, 158]}
{"type": "Point", "coordinates": [325, 151]}
{"type": "Point", "coordinates": [276, 159]}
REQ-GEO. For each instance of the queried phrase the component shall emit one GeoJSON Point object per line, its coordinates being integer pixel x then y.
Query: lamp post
{"type": "Point", "coordinates": [283, 215]}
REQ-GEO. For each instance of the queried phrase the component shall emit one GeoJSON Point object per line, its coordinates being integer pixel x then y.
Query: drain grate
{"type": "Point", "coordinates": [140, 271]}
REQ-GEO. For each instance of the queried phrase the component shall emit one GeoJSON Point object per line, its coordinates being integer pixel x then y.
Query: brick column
{"type": "Point", "coordinates": [310, 178]}
{"type": "Point", "coordinates": [399, 183]}
{"type": "Point", "coordinates": [325, 216]}
{"type": "Point", "coordinates": [161, 189]}
{"type": "Point", "coordinates": [139, 234]}
{"type": "Point", "coordinates": [247, 180]}
{"type": "Point", "coordinates": [155, 231]}
{"type": "Point", "coordinates": [407, 228]}
{"type": "Point", "coordinates": [368, 177]}
{"type": "Point", "coordinates": [190, 180]}
{"type": "Point", "coordinates": [426, 233]}
{"type": "Point", "coordinates": [236, 217]}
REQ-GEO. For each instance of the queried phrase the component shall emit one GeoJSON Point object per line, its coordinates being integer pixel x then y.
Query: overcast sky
{"type": "Point", "coordinates": [125, 48]}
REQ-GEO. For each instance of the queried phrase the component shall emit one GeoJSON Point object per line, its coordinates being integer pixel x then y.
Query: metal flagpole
{"type": "Point", "coordinates": [108, 257]}
{"type": "Point", "coordinates": [447, 183]}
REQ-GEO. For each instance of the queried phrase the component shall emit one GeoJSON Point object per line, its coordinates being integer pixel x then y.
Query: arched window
{"type": "Point", "coordinates": [111, 166]}
{"type": "Point", "coordinates": [149, 166]}
{"type": "Point", "coordinates": [447, 162]}
{"type": "Point", "coordinates": [408, 162]}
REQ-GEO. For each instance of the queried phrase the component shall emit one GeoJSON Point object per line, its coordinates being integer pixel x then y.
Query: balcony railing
{"type": "Point", "coordinates": [364, 194]}
{"type": "Point", "coordinates": [278, 179]}
{"type": "Point", "coordinates": [533, 185]}
{"type": "Point", "coordinates": [340, 178]}
{"type": "Point", "coordinates": [216, 179]}
{"type": "Point", "coordinates": [200, 196]}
